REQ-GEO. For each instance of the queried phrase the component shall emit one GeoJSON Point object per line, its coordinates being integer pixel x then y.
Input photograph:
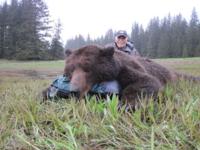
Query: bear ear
{"type": "Point", "coordinates": [108, 51]}
{"type": "Point", "coordinates": [68, 52]}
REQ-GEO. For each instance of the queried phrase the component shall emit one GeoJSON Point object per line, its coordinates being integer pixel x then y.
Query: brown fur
{"type": "Point", "coordinates": [136, 75]}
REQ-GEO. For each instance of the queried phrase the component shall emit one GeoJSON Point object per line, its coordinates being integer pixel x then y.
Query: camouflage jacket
{"type": "Point", "coordinates": [129, 48]}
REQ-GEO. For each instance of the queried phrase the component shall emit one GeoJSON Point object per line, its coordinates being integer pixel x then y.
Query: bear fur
{"type": "Point", "coordinates": [137, 76]}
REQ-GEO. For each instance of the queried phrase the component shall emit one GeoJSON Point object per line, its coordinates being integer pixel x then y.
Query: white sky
{"type": "Point", "coordinates": [95, 17]}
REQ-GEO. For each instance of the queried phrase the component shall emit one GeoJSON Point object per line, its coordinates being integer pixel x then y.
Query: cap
{"type": "Point", "coordinates": [121, 33]}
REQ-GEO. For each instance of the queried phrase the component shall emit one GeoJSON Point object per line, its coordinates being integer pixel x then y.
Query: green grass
{"type": "Point", "coordinates": [185, 65]}
{"type": "Point", "coordinates": [30, 65]}
{"type": "Point", "coordinates": [173, 122]}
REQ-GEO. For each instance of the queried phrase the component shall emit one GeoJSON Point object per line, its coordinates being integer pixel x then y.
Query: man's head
{"type": "Point", "coordinates": [121, 38]}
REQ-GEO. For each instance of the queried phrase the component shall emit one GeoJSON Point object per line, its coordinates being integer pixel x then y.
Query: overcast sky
{"type": "Point", "coordinates": [95, 17]}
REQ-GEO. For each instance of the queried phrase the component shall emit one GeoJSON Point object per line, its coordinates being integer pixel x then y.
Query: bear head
{"type": "Point", "coordinates": [89, 65]}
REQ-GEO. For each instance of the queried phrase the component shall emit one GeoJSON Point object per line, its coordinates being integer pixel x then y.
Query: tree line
{"type": "Point", "coordinates": [26, 33]}
{"type": "Point", "coordinates": [171, 36]}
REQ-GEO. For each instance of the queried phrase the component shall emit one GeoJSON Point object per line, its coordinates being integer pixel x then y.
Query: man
{"type": "Point", "coordinates": [121, 43]}
{"type": "Point", "coordinates": [61, 86]}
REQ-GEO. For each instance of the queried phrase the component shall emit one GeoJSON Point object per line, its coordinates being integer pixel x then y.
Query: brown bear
{"type": "Point", "coordinates": [137, 76]}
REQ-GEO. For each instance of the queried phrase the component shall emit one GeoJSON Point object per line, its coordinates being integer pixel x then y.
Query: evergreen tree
{"type": "Point", "coordinates": [143, 41]}
{"type": "Point", "coordinates": [109, 37]}
{"type": "Point", "coordinates": [13, 23]}
{"type": "Point", "coordinates": [193, 35]}
{"type": "Point", "coordinates": [3, 30]}
{"type": "Point", "coordinates": [80, 41]}
{"type": "Point", "coordinates": [88, 41]}
{"type": "Point", "coordinates": [32, 30]}
{"type": "Point", "coordinates": [1, 33]}
{"type": "Point", "coordinates": [56, 48]}
{"type": "Point", "coordinates": [164, 45]}
{"type": "Point", "coordinates": [76, 42]}
{"type": "Point", "coordinates": [178, 35]}
{"type": "Point", "coordinates": [153, 37]}
{"type": "Point", "coordinates": [135, 36]}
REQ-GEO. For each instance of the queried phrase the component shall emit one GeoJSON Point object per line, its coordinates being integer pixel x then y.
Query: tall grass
{"type": "Point", "coordinates": [172, 122]}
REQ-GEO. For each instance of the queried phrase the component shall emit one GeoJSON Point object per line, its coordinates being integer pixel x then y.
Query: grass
{"type": "Point", "coordinates": [173, 122]}
{"type": "Point", "coordinates": [31, 65]}
{"type": "Point", "coordinates": [185, 65]}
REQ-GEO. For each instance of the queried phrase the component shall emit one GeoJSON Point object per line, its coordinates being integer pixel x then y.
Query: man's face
{"type": "Point", "coordinates": [121, 41]}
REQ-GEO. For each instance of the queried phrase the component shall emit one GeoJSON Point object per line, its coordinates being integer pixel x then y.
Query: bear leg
{"type": "Point", "coordinates": [133, 94]}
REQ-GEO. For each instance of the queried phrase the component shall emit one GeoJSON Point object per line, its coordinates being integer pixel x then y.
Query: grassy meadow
{"type": "Point", "coordinates": [171, 123]}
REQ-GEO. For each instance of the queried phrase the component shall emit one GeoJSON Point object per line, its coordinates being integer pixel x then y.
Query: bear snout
{"type": "Point", "coordinates": [79, 82]}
